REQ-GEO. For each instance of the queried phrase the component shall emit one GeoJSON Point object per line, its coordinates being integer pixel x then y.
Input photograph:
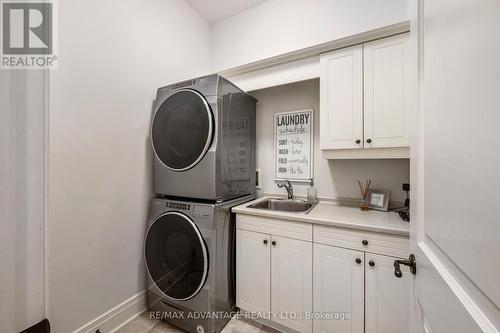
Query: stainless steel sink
{"type": "Point", "coordinates": [284, 205]}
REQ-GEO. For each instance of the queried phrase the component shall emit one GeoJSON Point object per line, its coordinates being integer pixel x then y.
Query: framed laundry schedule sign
{"type": "Point", "coordinates": [293, 145]}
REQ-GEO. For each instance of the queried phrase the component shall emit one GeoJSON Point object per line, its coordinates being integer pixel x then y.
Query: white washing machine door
{"type": "Point", "coordinates": [176, 256]}
{"type": "Point", "coordinates": [182, 130]}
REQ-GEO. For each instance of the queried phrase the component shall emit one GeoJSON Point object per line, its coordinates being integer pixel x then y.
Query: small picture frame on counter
{"type": "Point", "coordinates": [378, 199]}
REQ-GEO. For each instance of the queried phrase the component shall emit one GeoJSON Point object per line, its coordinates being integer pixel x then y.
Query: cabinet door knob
{"type": "Point", "coordinates": [265, 241]}
{"type": "Point", "coordinates": [371, 263]}
{"type": "Point", "coordinates": [358, 261]}
{"type": "Point", "coordinates": [364, 242]}
{"type": "Point", "coordinates": [369, 140]}
{"type": "Point", "coordinates": [274, 243]}
{"type": "Point", "coordinates": [358, 141]}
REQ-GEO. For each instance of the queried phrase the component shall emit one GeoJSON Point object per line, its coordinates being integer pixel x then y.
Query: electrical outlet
{"type": "Point", "coordinates": [258, 179]}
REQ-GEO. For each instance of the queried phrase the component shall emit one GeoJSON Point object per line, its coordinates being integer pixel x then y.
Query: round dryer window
{"type": "Point", "coordinates": [182, 130]}
{"type": "Point", "coordinates": [176, 256]}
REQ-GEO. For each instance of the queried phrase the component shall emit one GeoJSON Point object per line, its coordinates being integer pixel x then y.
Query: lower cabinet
{"type": "Point", "coordinates": [253, 271]}
{"type": "Point", "coordinates": [387, 298]}
{"type": "Point", "coordinates": [288, 269]}
{"type": "Point", "coordinates": [274, 274]}
{"type": "Point", "coordinates": [291, 282]}
{"type": "Point", "coordinates": [338, 289]}
{"type": "Point", "coordinates": [362, 285]}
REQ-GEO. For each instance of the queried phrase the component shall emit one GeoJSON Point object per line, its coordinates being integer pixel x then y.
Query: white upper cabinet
{"type": "Point", "coordinates": [385, 101]}
{"type": "Point", "coordinates": [341, 109]}
{"type": "Point", "coordinates": [364, 100]}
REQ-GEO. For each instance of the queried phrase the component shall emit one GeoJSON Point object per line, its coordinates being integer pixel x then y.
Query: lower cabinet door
{"type": "Point", "coordinates": [387, 298]}
{"type": "Point", "coordinates": [338, 290]}
{"type": "Point", "coordinates": [253, 271]}
{"type": "Point", "coordinates": [291, 283]}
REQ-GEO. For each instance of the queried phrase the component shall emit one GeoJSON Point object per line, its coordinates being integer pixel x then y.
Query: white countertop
{"type": "Point", "coordinates": [337, 215]}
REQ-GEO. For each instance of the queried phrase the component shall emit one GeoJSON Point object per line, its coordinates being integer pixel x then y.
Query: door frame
{"type": "Point", "coordinates": [26, 180]}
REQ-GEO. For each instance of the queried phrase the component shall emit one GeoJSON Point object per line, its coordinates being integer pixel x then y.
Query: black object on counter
{"type": "Point", "coordinates": [405, 213]}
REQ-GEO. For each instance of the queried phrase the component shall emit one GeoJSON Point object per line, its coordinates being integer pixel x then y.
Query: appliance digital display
{"type": "Point", "coordinates": [180, 206]}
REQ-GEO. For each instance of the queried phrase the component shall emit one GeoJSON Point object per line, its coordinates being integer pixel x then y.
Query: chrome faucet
{"type": "Point", "coordinates": [288, 187]}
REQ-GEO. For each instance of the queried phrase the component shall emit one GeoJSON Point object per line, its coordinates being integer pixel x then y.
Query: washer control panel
{"type": "Point", "coordinates": [196, 211]}
{"type": "Point", "coordinates": [201, 214]}
{"type": "Point", "coordinates": [178, 205]}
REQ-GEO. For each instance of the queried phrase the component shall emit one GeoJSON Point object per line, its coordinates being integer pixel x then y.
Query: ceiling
{"type": "Point", "coordinates": [215, 10]}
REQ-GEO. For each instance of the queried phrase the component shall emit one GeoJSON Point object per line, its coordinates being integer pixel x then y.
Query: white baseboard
{"type": "Point", "coordinates": [118, 316]}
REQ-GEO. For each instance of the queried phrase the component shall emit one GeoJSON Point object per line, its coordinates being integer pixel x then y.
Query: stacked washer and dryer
{"type": "Point", "coordinates": [203, 138]}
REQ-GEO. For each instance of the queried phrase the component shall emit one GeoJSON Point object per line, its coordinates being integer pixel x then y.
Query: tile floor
{"type": "Point", "coordinates": [144, 324]}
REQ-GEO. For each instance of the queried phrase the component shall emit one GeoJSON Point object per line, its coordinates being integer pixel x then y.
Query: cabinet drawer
{"type": "Point", "coordinates": [296, 230]}
{"type": "Point", "coordinates": [392, 245]}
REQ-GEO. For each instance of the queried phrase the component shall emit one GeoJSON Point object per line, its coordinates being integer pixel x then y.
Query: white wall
{"type": "Point", "coordinates": [6, 212]}
{"type": "Point", "coordinates": [280, 26]}
{"type": "Point", "coordinates": [333, 178]}
{"type": "Point", "coordinates": [6, 241]}
{"type": "Point", "coordinates": [22, 199]}
{"type": "Point", "coordinates": [112, 58]}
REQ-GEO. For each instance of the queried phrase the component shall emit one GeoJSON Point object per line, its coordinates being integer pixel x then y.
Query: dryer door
{"type": "Point", "coordinates": [182, 130]}
{"type": "Point", "coordinates": [176, 256]}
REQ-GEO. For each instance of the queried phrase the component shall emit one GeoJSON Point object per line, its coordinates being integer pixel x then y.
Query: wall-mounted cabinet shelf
{"type": "Point", "coordinates": [367, 154]}
{"type": "Point", "coordinates": [363, 96]}
{"type": "Point", "coordinates": [363, 111]}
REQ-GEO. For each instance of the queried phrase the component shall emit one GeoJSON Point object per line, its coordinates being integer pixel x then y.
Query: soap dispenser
{"type": "Point", "coordinates": [312, 194]}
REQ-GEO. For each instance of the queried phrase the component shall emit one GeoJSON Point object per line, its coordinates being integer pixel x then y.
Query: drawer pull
{"type": "Point", "coordinates": [265, 241]}
{"type": "Point", "coordinates": [274, 243]}
{"type": "Point", "coordinates": [364, 242]}
{"type": "Point", "coordinates": [371, 263]}
{"type": "Point", "coordinates": [358, 261]}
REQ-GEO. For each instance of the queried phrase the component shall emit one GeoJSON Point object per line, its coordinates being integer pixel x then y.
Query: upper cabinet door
{"type": "Point", "coordinates": [253, 271]}
{"type": "Point", "coordinates": [291, 282]}
{"type": "Point", "coordinates": [341, 109]}
{"type": "Point", "coordinates": [338, 288]}
{"type": "Point", "coordinates": [386, 113]}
